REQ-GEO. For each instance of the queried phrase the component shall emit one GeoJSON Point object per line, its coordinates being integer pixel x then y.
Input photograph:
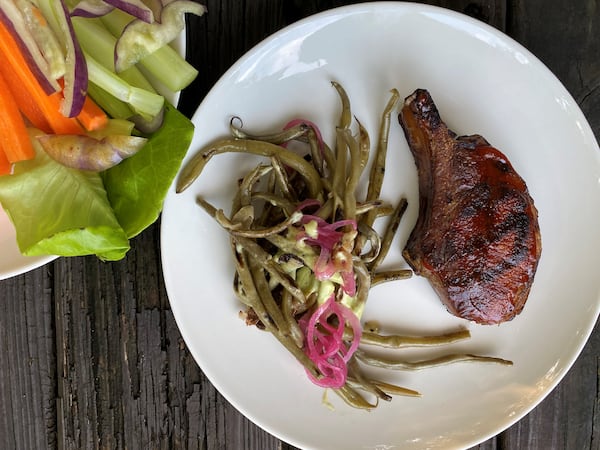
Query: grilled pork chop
{"type": "Point", "coordinates": [477, 238]}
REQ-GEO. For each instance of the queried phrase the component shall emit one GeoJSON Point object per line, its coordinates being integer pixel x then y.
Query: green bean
{"type": "Point", "coordinates": [346, 115]}
{"type": "Point", "coordinates": [396, 341]}
{"type": "Point", "coordinates": [216, 214]}
{"type": "Point", "coordinates": [353, 398]}
{"type": "Point", "coordinates": [235, 228]}
{"type": "Point", "coordinates": [389, 233]}
{"type": "Point", "coordinates": [287, 310]}
{"type": "Point", "coordinates": [371, 236]}
{"type": "Point", "coordinates": [395, 390]}
{"type": "Point", "coordinates": [239, 291]}
{"type": "Point", "coordinates": [378, 168]}
{"type": "Point", "coordinates": [381, 208]}
{"type": "Point", "coordinates": [390, 275]}
{"type": "Point", "coordinates": [244, 193]}
{"type": "Point", "coordinates": [196, 165]}
{"type": "Point", "coordinates": [277, 201]}
{"type": "Point", "coordinates": [364, 144]}
{"type": "Point", "coordinates": [282, 180]}
{"type": "Point", "coordinates": [326, 211]}
{"type": "Point", "coordinates": [329, 158]}
{"type": "Point", "coordinates": [387, 388]}
{"type": "Point", "coordinates": [275, 138]}
{"type": "Point", "coordinates": [358, 380]}
{"type": "Point", "coordinates": [378, 361]}
{"type": "Point", "coordinates": [363, 286]}
{"type": "Point", "coordinates": [244, 216]}
{"type": "Point", "coordinates": [265, 232]}
{"type": "Point", "coordinates": [268, 209]}
{"type": "Point", "coordinates": [338, 183]}
{"type": "Point", "coordinates": [246, 281]}
{"type": "Point", "coordinates": [316, 151]}
{"type": "Point", "coordinates": [266, 260]}
{"type": "Point", "coordinates": [266, 297]}
{"type": "Point", "coordinates": [353, 176]}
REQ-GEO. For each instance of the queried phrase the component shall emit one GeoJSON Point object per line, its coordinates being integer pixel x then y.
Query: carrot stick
{"type": "Point", "coordinates": [5, 165]}
{"type": "Point", "coordinates": [92, 117]}
{"type": "Point", "coordinates": [25, 102]}
{"type": "Point", "coordinates": [13, 59]}
{"type": "Point", "coordinates": [14, 138]}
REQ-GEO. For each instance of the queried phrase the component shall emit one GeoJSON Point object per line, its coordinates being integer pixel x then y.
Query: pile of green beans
{"type": "Point", "coordinates": [266, 205]}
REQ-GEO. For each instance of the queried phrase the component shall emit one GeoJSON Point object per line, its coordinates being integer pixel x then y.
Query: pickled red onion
{"type": "Point", "coordinates": [324, 342]}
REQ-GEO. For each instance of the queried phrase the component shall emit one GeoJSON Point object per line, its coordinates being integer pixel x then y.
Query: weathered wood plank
{"type": "Point", "coordinates": [27, 362]}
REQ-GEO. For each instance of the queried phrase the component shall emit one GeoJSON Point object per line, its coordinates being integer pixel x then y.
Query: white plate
{"type": "Point", "coordinates": [12, 261]}
{"type": "Point", "coordinates": [483, 82]}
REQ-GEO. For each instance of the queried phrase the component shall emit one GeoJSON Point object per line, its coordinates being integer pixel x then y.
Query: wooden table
{"type": "Point", "coordinates": [91, 357]}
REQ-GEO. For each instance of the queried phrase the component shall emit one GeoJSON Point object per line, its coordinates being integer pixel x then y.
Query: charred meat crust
{"type": "Point", "coordinates": [477, 238]}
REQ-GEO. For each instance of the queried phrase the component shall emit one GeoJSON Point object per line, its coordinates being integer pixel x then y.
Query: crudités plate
{"type": "Point", "coordinates": [483, 82]}
{"type": "Point", "coordinates": [12, 261]}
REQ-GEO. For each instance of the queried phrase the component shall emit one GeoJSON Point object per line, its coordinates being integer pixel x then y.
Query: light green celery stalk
{"type": "Point", "coordinates": [165, 64]}
{"type": "Point", "coordinates": [141, 101]}
{"type": "Point", "coordinates": [113, 106]}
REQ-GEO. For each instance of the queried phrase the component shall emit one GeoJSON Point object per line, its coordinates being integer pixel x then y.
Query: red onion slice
{"type": "Point", "coordinates": [136, 8]}
{"type": "Point", "coordinates": [324, 343]}
{"type": "Point", "coordinates": [76, 76]}
{"type": "Point", "coordinates": [91, 8]}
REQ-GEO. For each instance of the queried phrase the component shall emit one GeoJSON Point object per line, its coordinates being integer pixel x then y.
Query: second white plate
{"type": "Point", "coordinates": [482, 82]}
{"type": "Point", "coordinates": [12, 261]}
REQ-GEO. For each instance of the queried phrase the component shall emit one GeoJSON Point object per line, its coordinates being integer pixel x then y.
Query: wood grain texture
{"type": "Point", "coordinates": [91, 356]}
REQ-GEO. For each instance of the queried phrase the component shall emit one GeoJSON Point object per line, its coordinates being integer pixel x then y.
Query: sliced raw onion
{"type": "Point", "coordinates": [324, 342]}
{"type": "Point", "coordinates": [76, 75]}
{"type": "Point", "coordinates": [136, 8]}
{"type": "Point", "coordinates": [91, 8]}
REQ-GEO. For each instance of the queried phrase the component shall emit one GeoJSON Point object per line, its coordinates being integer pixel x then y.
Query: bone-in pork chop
{"type": "Point", "coordinates": [477, 238]}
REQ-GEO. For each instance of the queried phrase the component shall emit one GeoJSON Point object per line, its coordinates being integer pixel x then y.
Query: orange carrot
{"type": "Point", "coordinates": [14, 138]}
{"type": "Point", "coordinates": [5, 165]}
{"type": "Point", "coordinates": [92, 117]}
{"type": "Point", "coordinates": [25, 102]}
{"type": "Point", "coordinates": [13, 59]}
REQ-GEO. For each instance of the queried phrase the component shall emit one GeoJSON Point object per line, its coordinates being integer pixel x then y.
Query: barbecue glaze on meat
{"type": "Point", "coordinates": [477, 238]}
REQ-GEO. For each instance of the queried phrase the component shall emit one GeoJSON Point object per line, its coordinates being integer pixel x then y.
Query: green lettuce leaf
{"type": "Point", "coordinates": [137, 186]}
{"type": "Point", "coordinates": [61, 211]}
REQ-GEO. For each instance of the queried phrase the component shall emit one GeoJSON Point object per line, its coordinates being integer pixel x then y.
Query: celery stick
{"type": "Point", "coordinates": [109, 103]}
{"type": "Point", "coordinates": [143, 102]}
{"type": "Point", "coordinates": [165, 64]}
{"type": "Point", "coordinates": [96, 40]}
{"type": "Point", "coordinates": [169, 68]}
